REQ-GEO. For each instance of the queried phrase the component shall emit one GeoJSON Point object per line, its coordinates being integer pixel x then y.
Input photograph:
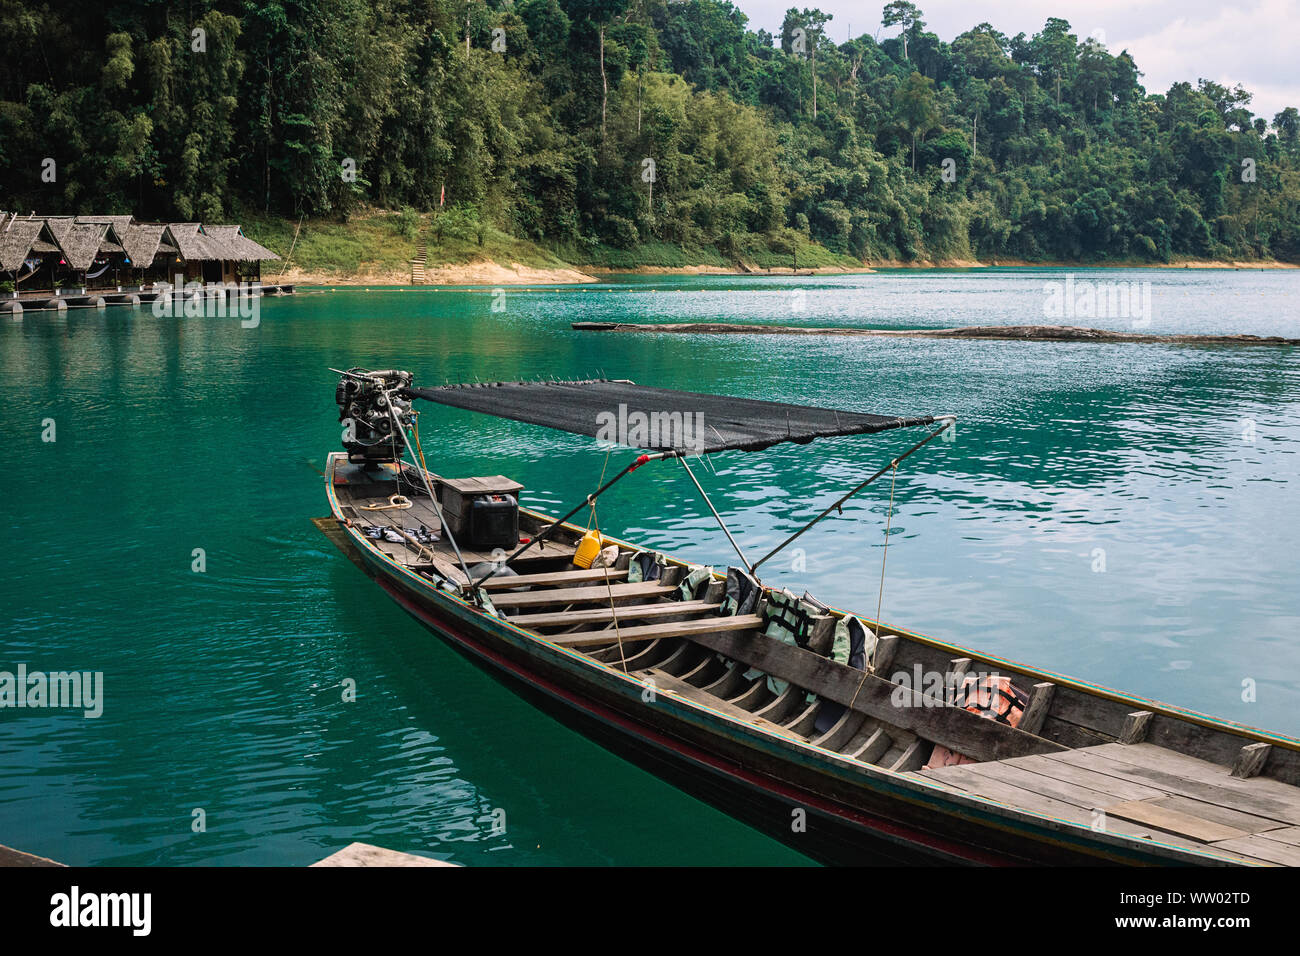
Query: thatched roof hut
{"type": "Point", "coordinates": [189, 241]}
{"type": "Point", "coordinates": [80, 242]}
{"type": "Point", "coordinates": [143, 241]}
{"type": "Point", "coordinates": [237, 246]}
{"type": "Point", "coordinates": [119, 223]}
{"type": "Point", "coordinates": [16, 240]}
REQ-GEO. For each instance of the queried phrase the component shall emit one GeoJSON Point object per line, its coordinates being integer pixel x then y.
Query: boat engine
{"type": "Point", "coordinates": [374, 414]}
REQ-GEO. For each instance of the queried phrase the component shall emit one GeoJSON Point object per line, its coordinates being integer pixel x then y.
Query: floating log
{"type": "Point", "coordinates": [1019, 333]}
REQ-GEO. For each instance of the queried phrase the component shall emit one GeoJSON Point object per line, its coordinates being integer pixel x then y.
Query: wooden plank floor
{"type": "Point", "coordinates": [421, 513]}
{"type": "Point", "coordinates": [1146, 791]}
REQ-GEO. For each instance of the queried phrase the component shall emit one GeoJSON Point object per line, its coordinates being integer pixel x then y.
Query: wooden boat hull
{"type": "Point", "coordinates": [850, 813]}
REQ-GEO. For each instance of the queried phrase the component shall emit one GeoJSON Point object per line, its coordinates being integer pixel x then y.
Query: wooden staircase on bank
{"type": "Point", "coordinates": [419, 264]}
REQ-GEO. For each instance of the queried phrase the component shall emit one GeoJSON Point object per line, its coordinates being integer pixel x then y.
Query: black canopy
{"type": "Point", "coordinates": [659, 419]}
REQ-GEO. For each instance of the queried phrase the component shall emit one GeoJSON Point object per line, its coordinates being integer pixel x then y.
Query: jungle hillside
{"type": "Point", "coordinates": [628, 132]}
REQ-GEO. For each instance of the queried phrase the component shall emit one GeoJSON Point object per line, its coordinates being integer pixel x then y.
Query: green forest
{"type": "Point", "coordinates": [597, 129]}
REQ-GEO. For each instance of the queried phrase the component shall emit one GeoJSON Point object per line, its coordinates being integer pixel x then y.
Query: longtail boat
{"type": "Point", "coordinates": [850, 739]}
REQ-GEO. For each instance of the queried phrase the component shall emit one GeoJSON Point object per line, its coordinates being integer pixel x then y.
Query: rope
{"type": "Point", "coordinates": [395, 503]}
{"type": "Point", "coordinates": [889, 517]}
{"type": "Point", "coordinates": [880, 597]}
{"type": "Point", "coordinates": [609, 588]}
{"type": "Point", "coordinates": [437, 509]}
{"type": "Point", "coordinates": [609, 591]}
{"type": "Point", "coordinates": [603, 468]}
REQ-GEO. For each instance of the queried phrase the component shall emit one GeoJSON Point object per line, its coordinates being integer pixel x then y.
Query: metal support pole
{"type": "Point", "coordinates": [949, 421]}
{"type": "Point", "coordinates": [433, 498]}
{"type": "Point", "coordinates": [546, 533]}
{"type": "Point", "coordinates": [721, 523]}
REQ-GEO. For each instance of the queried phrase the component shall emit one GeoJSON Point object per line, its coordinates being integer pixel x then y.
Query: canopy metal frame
{"type": "Point", "coordinates": [472, 586]}
{"type": "Point", "coordinates": [837, 506]}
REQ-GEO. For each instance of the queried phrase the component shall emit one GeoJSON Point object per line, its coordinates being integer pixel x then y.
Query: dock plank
{"type": "Point", "coordinates": [365, 854]}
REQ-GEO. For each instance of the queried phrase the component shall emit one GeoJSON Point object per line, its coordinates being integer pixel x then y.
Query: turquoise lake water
{"type": "Point", "coordinates": [1175, 467]}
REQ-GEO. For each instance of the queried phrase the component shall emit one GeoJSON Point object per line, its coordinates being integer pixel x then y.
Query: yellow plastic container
{"type": "Point", "coordinates": [588, 548]}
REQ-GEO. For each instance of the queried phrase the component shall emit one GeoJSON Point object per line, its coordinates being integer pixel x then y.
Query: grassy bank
{"type": "Point", "coordinates": [378, 246]}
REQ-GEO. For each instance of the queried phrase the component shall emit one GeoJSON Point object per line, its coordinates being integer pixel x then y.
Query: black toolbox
{"type": "Point", "coordinates": [482, 513]}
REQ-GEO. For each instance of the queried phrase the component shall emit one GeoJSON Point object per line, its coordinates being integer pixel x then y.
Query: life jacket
{"type": "Point", "coordinates": [646, 566]}
{"type": "Point", "coordinates": [789, 619]}
{"type": "Point", "coordinates": [742, 594]}
{"type": "Point", "coordinates": [995, 698]}
{"type": "Point", "coordinates": [854, 642]}
{"type": "Point", "coordinates": [696, 583]}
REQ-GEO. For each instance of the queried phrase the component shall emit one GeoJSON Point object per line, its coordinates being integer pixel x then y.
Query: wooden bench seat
{"type": "Point", "coordinates": [580, 595]}
{"type": "Point", "coordinates": [604, 615]}
{"type": "Point", "coordinates": [650, 632]}
{"type": "Point", "coordinates": [553, 578]}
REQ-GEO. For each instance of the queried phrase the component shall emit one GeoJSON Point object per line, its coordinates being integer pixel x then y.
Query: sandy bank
{"type": "Point", "coordinates": [470, 273]}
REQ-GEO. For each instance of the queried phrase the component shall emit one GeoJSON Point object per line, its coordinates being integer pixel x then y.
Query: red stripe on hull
{"type": "Point", "coordinates": [765, 784]}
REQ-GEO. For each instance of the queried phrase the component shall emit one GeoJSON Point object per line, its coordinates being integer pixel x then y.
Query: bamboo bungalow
{"type": "Point", "coordinates": [40, 255]}
{"type": "Point", "coordinates": [25, 247]}
{"type": "Point", "coordinates": [216, 253]}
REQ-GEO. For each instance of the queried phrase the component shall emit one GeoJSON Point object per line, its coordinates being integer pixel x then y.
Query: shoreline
{"type": "Point", "coordinates": [490, 273]}
{"type": "Point", "coordinates": [485, 272]}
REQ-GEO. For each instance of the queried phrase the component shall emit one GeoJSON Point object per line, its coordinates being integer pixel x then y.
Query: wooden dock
{"type": "Point", "coordinates": [103, 298]}
{"type": "Point", "coordinates": [12, 857]}
{"type": "Point", "coordinates": [364, 854]}
{"type": "Point", "coordinates": [1146, 791]}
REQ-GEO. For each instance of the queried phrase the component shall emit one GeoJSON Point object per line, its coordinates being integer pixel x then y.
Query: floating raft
{"type": "Point", "coordinates": [1019, 333]}
{"type": "Point", "coordinates": [63, 301]}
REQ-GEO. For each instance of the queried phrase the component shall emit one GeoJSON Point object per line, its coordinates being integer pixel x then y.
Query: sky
{"type": "Point", "coordinates": [1252, 42]}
